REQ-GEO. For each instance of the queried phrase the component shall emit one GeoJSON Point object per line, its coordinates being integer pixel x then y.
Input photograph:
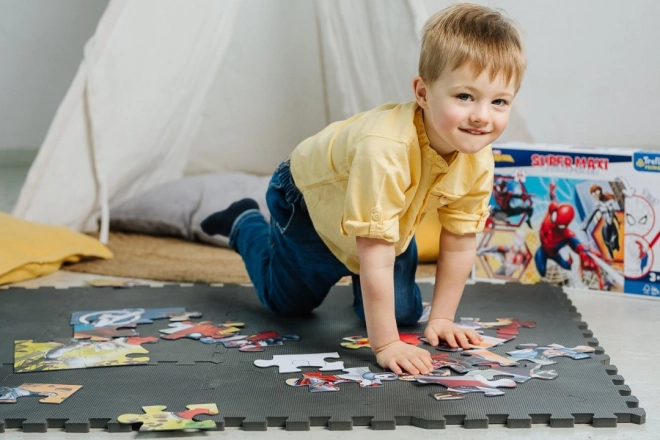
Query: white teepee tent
{"type": "Point", "coordinates": [169, 88]}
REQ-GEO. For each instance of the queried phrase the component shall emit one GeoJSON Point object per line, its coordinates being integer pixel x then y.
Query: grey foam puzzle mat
{"type": "Point", "coordinates": [184, 372]}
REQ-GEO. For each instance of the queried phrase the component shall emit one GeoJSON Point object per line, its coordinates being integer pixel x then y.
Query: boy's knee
{"type": "Point", "coordinates": [408, 314]}
{"type": "Point", "coordinates": [292, 310]}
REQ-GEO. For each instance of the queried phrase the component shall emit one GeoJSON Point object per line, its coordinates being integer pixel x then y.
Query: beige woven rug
{"type": "Point", "coordinates": [172, 259]}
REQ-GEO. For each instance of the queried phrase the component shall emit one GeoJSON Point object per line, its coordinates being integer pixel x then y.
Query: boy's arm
{"type": "Point", "coordinates": [455, 261]}
{"type": "Point", "coordinates": [377, 281]}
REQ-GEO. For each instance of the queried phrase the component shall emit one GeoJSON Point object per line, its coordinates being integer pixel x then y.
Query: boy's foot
{"type": "Point", "coordinates": [221, 222]}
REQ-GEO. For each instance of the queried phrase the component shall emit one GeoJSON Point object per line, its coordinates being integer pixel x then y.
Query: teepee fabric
{"type": "Point", "coordinates": [168, 88]}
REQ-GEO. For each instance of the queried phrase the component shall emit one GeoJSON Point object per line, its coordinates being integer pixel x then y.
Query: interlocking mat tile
{"type": "Point", "coordinates": [185, 371]}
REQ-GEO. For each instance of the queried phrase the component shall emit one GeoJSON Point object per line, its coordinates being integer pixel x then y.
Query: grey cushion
{"type": "Point", "coordinates": [177, 208]}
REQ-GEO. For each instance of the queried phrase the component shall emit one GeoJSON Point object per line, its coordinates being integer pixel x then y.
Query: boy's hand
{"type": "Point", "coordinates": [399, 357]}
{"type": "Point", "coordinates": [445, 329]}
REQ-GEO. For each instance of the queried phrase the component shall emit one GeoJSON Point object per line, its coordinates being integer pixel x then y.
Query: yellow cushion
{"type": "Point", "coordinates": [428, 238]}
{"type": "Point", "coordinates": [29, 250]}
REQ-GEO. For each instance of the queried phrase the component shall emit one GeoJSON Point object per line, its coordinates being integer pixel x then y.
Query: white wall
{"type": "Point", "coordinates": [41, 44]}
{"type": "Point", "coordinates": [593, 76]}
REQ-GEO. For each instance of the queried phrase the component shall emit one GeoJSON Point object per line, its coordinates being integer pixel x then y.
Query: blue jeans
{"type": "Point", "coordinates": [291, 268]}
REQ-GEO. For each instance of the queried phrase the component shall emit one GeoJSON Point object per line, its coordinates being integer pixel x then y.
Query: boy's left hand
{"type": "Point", "coordinates": [445, 329]}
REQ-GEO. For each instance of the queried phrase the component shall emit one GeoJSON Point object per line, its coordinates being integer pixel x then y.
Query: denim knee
{"type": "Point", "coordinates": [408, 313]}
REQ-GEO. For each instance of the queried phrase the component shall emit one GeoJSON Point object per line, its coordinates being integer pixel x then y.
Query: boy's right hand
{"type": "Point", "coordinates": [399, 357]}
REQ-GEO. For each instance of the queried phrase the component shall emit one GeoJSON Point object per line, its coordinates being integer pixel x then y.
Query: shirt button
{"type": "Point", "coordinates": [375, 215]}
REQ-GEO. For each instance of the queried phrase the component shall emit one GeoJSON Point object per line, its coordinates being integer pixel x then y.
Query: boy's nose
{"type": "Point", "coordinates": [479, 115]}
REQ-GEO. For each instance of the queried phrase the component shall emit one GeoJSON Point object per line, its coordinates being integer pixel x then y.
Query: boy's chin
{"type": "Point", "coordinates": [471, 148]}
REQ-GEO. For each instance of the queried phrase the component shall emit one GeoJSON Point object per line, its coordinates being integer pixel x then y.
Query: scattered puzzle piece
{"type": "Point", "coordinates": [319, 382]}
{"type": "Point", "coordinates": [481, 357]}
{"type": "Point", "coordinates": [426, 312]}
{"type": "Point", "coordinates": [517, 374]}
{"type": "Point", "coordinates": [457, 386]}
{"type": "Point", "coordinates": [486, 343]}
{"type": "Point", "coordinates": [63, 354]}
{"type": "Point", "coordinates": [184, 316]}
{"type": "Point", "coordinates": [542, 355]}
{"type": "Point", "coordinates": [88, 331]}
{"type": "Point", "coordinates": [289, 363]}
{"type": "Point", "coordinates": [441, 364]}
{"type": "Point", "coordinates": [105, 318]}
{"type": "Point", "coordinates": [51, 393]}
{"type": "Point", "coordinates": [252, 343]}
{"type": "Point", "coordinates": [506, 327]}
{"type": "Point", "coordinates": [359, 341]}
{"type": "Point", "coordinates": [156, 419]}
{"type": "Point", "coordinates": [197, 330]}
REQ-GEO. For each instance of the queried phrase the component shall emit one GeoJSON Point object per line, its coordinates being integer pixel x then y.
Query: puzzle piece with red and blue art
{"type": "Point", "coordinates": [485, 357]}
{"type": "Point", "coordinates": [106, 324]}
{"type": "Point", "coordinates": [458, 386]}
{"type": "Point", "coordinates": [252, 343]}
{"type": "Point", "coordinates": [359, 341]}
{"type": "Point", "coordinates": [49, 392]}
{"type": "Point", "coordinates": [519, 374]}
{"type": "Point", "coordinates": [106, 318]}
{"type": "Point", "coordinates": [441, 364]}
{"type": "Point", "coordinates": [507, 328]}
{"type": "Point", "coordinates": [198, 330]}
{"type": "Point", "coordinates": [542, 355]}
{"type": "Point", "coordinates": [318, 381]}
{"type": "Point", "coordinates": [66, 354]}
{"type": "Point", "coordinates": [155, 418]}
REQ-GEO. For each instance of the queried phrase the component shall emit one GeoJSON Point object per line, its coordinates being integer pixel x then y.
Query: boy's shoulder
{"type": "Point", "coordinates": [391, 120]}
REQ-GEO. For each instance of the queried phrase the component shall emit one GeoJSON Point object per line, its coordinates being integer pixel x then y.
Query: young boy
{"type": "Point", "coordinates": [349, 199]}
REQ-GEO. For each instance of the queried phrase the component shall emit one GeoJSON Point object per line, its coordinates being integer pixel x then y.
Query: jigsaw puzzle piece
{"type": "Point", "coordinates": [50, 393]}
{"type": "Point", "coordinates": [156, 419]}
{"type": "Point", "coordinates": [197, 330]}
{"type": "Point", "coordinates": [182, 316]}
{"type": "Point", "coordinates": [88, 331]}
{"type": "Point", "coordinates": [508, 326]}
{"type": "Point", "coordinates": [78, 353]}
{"type": "Point", "coordinates": [320, 382]}
{"type": "Point", "coordinates": [457, 386]}
{"type": "Point", "coordinates": [542, 355]}
{"type": "Point", "coordinates": [289, 363]}
{"type": "Point", "coordinates": [517, 374]}
{"type": "Point", "coordinates": [252, 343]}
{"type": "Point", "coordinates": [486, 343]}
{"type": "Point", "coordinates": [359, 341]}
{"type": "Point", "coordinates": [480, 357]}
{"type": "Point", "coordinates": [106, 318]}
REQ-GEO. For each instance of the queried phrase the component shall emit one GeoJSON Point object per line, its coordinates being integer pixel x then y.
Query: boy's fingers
{"type": "Point", "coordinates": [408, 366]}
{"type": "Point", "coordinates": [462, 340]}
{"type": "Point", "coordinates": [420, 365]}
{"type": "Point", "coordinates": [392, 365]}
{"type": "Point", "coordinates": [475, 337]}
{"type": "Point", "coordinates": [451, 340]}
{"type": "Point", "coordinates": [433, 339]}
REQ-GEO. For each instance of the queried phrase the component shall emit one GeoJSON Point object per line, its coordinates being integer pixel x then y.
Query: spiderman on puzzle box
{"type": "Point", "coordinates": [555, 234]}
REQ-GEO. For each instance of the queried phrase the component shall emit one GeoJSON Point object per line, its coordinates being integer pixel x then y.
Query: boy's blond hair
{"type": "Point", "coordinates": [472, 34]}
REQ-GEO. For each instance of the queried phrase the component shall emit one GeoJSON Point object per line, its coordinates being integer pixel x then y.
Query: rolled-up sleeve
{"type": "Point", "coordinates": [468, 214]}
{"type": "Point", "coordinates": [375, 195]}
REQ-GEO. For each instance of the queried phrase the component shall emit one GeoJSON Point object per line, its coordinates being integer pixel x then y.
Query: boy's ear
{"type": "Point", "coordinates": [419, 87]}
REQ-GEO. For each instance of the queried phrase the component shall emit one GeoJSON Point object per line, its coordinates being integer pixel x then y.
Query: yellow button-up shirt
{"type": "Point", "coordinates": [375, 175]}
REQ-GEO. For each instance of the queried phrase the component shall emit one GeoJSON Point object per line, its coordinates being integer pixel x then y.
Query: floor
{"type": "Point", "coordinates": [623, 326]}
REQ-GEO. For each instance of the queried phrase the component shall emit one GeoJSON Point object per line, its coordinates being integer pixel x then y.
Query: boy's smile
{"type": "Point", "coordinates": [462, 112]}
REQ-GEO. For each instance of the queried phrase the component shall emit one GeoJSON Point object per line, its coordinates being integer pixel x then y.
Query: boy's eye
{"type": "Point", "coordinates": [500, 102]}
{"type": "Point", "coordinates": [463, 96]}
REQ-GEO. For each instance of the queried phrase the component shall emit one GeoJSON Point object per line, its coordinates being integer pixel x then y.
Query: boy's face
{"type": "Point", "coordinates": [462, 112]}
